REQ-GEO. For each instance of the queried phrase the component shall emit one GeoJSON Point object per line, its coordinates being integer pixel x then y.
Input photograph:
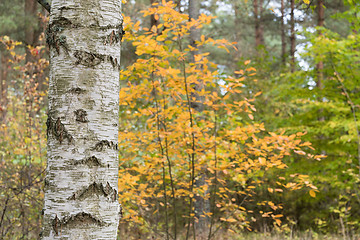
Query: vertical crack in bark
{"type": "Point", "coordinates": [96, 189]}
{"type": "Point", "coordinates": [81, 115]}
{"type": "Point", "coordinates": [75, 219]}
{"type": "Point", "coordinates": [58, 130]}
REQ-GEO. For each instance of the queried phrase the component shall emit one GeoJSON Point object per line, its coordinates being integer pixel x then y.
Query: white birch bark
{"type": "Point", "coordinates": [81, 193]}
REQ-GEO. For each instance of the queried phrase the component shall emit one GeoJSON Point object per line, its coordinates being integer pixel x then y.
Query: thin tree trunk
{"type": "Point", "coordinates": [320, 23]}
{"type": "Point", "coordinates": [194, 11]}
{"type": "Point", "coordinates": [81, 196]}
{"type": "Point", "coordinates": [153, 21]}
{"type": "Point", "coordinates": [30, 32]}
{"type": "Point", "coordinates": [261, 23]}
{"type": "Point", "coordinates": [237, 33]}
{"type": "Point", "coordinates": [292, 35]}
{"type": "Point", "coordinates": [3, 88]}
{"type": "Point", "coordinates": [259, 28]}
{"type": "Point", "coordinates": [202, 204]}
{"type": "Point", "coordinates": [283, 40]}
{"type": "Point", "coordinates": [320, 64]}
{"type": "Point", "coordinates": [256, 16]}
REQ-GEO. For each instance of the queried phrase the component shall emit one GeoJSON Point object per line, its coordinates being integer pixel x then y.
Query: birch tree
{"type": "Point", "coordinates": [81, 193]}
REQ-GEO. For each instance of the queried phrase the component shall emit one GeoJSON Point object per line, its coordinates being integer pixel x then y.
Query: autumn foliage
{"type": "Point", "coordinates": [173, 155]}
{"type": "Point", "coordinates": [22, 140]}
{"type": "Point", "coordinates": [207, 136]}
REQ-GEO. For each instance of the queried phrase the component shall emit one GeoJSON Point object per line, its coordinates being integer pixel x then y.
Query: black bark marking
{"type": "Point", "coordinates": [90, 161]}
{"type": "Point", "coordinates": [79, 218]}
{"type": "Point", "coordinates": [111, 59]}
{"type": "Point", "coordinates": [81, 115]}
{"type": "Point", "coordinates": [77, 90]}
{"type": "Point", "coordinates": [121, 32]}
{"type": "Point", "coordinates": [115, 36]}
{"type": "Point", "coordinates": [61, 21]}
{"type": "Point", "coordinates": [113, 62]}
{"type": "Point", "coordinates": [58, 130]}
{"type": "Point", "coordinates": [88, 59]}
{"type": "Point", "coordinates": [46, 182]}
{"type": "Point", "coordinates": [110, 26]}
{"type": "Point", "coordinates": [121, 212]}
{"type": "Point", "coordinates": [55, 225]}
{"type": "Point", "coordinates": [100, 146]}
{"type": "Point", "coordinates": [117, 64]}
{"type": "Point", "coordinates": [96, 189]}
{"type": "Point", "coordinates": [52, 34]}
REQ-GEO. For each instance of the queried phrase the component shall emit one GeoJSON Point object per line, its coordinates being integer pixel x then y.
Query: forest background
{"type": "Point", "coordinates": [239, 123]}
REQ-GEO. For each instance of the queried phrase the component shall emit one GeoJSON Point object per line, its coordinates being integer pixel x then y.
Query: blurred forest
{"type": "Point", "coordinates": [239, 119]}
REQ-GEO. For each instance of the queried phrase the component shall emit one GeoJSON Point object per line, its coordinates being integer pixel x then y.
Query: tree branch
{"type": "Point", "coordinates": [45, 4]}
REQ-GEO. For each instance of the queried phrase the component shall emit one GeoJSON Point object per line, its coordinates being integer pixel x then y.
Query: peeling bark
{"type": "Point", "coordinates": [82, 173]}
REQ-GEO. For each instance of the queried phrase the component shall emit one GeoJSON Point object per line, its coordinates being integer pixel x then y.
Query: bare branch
{"type": "Point", "coordinates": [45, 4]}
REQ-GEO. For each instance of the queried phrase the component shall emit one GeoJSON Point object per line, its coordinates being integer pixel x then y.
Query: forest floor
{"type": "Point", "coordinates": [299, 236]}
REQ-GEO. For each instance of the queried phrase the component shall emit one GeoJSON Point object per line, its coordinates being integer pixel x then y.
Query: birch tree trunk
{"type": "Point", "coordinates": [81, 193]}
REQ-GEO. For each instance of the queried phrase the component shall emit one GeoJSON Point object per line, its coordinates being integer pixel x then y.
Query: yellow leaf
{"type": "Point", "coordinates": [312, 193]}
{"type": "Point", "coordinates": [247, 62]}
{"type": "Point", "coordinates": [262, 161]}
{"type": "Point", "coordinates": [251, 69]}
{"type": "Point", "coordinates": [278, 221]}
{"type": "Point", "coordinates": [257, 94]}
{"type": "Point", "coordinates": [306, 1]}
{"type": "Point", "coordinates": [241, 72]}
{"type": "Point", "coordinates": [231, 220]}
